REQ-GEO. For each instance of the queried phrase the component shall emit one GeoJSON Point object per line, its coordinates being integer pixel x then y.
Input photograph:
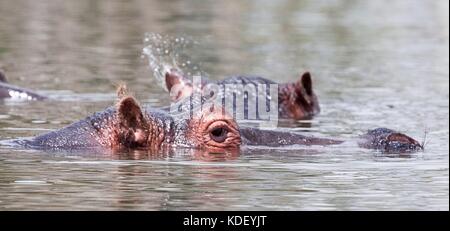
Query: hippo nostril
{"type": "Point", "coordinates": [219, 134]}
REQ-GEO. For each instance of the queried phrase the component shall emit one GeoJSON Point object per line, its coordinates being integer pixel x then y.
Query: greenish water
{"type": "Point", "coordinates": [374, 63]}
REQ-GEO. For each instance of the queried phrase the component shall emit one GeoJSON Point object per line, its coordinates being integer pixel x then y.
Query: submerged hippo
{"type": "Point", "coordinates": [129, 126]}
{"type": "Point", "coordinates": [14, 92]}
{"type": "Point", "coordinates": [296, 100]}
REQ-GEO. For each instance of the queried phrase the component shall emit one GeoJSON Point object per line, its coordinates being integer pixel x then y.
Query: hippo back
{"type": "Point", "coordinates": [83, 134]}
{"type": "Point", "coordinates": [246, 80]}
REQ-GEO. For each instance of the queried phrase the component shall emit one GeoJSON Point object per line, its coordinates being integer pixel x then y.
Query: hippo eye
{"type": "Point", "coordinates": [219, 134]}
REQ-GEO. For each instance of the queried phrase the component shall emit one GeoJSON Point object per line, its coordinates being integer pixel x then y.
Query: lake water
{"type": "Point", "coordinates": [374, 64]}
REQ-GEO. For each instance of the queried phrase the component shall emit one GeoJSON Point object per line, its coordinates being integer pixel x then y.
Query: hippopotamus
{"type": "Point", "coordinates": [127, 125]}
{"type": "Point", "coordinates": [296, 100]}
{"type": "Point", "coordinates": [14, 92]}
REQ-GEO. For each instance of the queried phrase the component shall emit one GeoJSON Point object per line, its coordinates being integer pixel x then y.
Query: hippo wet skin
{"type": "Point", "coordinates": [11, 91]}
{"type": "Point", "coordinates": [296, 100]}
{"type": "Point", "coordinates": [128, 126]}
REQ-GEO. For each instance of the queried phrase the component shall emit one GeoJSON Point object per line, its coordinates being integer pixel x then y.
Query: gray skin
{"type": "Point", "coordinates": [92, 132]}
{"type": "Point", "coordinates": [88, 133]}
{"type": "Point", "coordinates": [127, 126]}
{"type": "Point", "coordinates": [296, 100]}
{"type": "Point", "coordinates": [11, 91]}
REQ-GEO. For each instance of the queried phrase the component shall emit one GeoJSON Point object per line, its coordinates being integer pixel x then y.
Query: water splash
{"type": "Point", "coordinates": [164, 52]}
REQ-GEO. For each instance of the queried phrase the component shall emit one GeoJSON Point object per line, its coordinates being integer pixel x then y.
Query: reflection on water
{"type": "Point", "coordinates": [374, 63]}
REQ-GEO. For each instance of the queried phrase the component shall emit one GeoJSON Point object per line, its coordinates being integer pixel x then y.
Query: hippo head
{"type": "Point", "coordinates": [389, 141]}
{"type": "Point", "coordinates": [213, 130]}
{"type": "Point", "coordinates": [297, 100]}
{"type": "Point", "coordinates": [179, 86]}
{"type": "Point", "coordinates": [209, 129]}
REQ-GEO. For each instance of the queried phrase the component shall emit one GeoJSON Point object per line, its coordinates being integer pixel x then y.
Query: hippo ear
{"type": "Point", "coordinates": [129, 112]}
{"type": "Point", "coordinates": [177, 85]}
{"type": "Point", "coordinates": [133, 125]}
{"type": "Point", "coordinates": [2, 77]}
{"type": "Point", "coordinates": [303, 103]}
{"type": "Point", "coordinates": [306, 82]}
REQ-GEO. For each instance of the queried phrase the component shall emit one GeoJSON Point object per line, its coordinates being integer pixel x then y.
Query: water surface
{"type": "Point", "coordinates": [374, 63]}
